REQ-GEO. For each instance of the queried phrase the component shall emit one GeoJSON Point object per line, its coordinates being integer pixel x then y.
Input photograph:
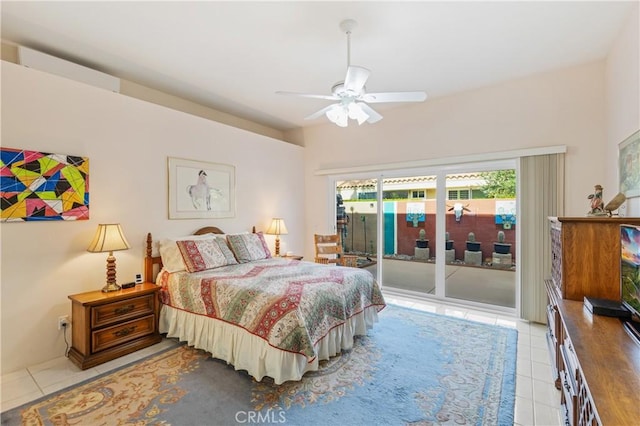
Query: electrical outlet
{"type": "Point", "coordinates": [63, 321]}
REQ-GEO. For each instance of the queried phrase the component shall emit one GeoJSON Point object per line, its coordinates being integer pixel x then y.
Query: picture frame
{"type": "Point", "coordinates": [41, 186]}
{"type": "Point", "coordinates": [629, 165]}
{"type": "Point", "coordinates": [200, 190]}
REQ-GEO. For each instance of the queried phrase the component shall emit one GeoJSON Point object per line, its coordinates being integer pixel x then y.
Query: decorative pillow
{"type": "Point", "coordinates": [248, 247]}
{"type": "Point", "coordinates": [199, 255]}
{"type": "Point", "coordinates": [226, 251]}
{"type": "Point", "coordinates": [170, 254]}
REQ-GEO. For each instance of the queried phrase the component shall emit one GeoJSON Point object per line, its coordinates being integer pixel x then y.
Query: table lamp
{"type": "Point", "coordinates": [277, 228]}
{"type": "Point", "coordinates": [109, 238]}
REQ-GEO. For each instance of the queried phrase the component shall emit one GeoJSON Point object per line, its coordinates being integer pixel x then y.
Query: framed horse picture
{"type": "Point", "coordinates": [198, 189]}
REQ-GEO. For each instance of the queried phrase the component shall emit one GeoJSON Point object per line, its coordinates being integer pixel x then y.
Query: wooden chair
{"type": "Point", "coordinates": [329, 250]}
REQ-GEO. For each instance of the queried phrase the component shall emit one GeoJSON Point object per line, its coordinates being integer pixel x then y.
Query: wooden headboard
{"type": "Point", "coordinates": [150, 261]}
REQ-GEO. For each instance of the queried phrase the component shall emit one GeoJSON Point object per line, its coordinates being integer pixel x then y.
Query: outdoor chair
{"type": "Point", "coordinates": [329, 250]}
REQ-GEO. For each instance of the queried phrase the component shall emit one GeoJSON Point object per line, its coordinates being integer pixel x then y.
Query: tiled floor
{"type": "Point", "coordinates": [26, 385]}
{"type": "Point", "coordinates": [537, 400]}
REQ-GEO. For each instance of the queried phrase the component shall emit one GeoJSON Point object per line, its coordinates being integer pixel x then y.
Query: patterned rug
{"type": "Point", "coordinates": [414, 368]}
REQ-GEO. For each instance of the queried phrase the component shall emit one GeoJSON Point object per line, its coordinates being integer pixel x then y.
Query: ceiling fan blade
{"type": "Point", "coordinates": [309, 95]}
{"type": "Point", "coordinates": [319, 113]}
{"type": "Point", "coordinates": [394, 97]}
{"type": "Point", "coordinates": [356, 78]}
{"type": "Point", "coordinates": [373, 114]}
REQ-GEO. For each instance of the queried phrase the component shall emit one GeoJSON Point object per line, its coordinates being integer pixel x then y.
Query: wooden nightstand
{"type": "Point", "coordinates": [292, 256]}
{"type": "Point", "coordinates": [106, 326]}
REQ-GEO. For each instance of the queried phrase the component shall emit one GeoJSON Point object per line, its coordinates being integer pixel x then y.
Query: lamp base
{"type": "Point", "coordinates": [277, 246]}
{"type": "Point", "coordinates": [111, 275]}
{"type": "Point", "coordinates": [110, 287]}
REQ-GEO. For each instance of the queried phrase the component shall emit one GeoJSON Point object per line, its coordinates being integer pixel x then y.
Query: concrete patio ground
{"type": "Point", "coordinates": [486, 285]}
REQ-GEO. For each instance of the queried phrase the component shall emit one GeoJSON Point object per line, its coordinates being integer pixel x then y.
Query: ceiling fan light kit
{"type": "Point", "coordinates": [351, 93]}
{"type": "Point", "coordinates": [337, 114]}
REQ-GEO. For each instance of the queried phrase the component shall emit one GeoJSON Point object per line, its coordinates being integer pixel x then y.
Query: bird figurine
{"type": "Point", "coordinates": [615, 203]}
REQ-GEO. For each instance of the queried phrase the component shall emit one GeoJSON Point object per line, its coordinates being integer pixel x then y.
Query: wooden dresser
{"type": "Point", "coordinates": [108, 325]}
{"type": "Point", "coordinates": [596, 363]}
{"type": "Point", "coordinates": [586, 256]}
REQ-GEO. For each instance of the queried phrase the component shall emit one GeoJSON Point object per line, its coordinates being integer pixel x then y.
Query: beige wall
{"type": "Point", "coordinates": [9, 53]}
{"type": "Point", "coordinates": [623, 102]}
{"type": "Point", "coordinates": [127, 142]}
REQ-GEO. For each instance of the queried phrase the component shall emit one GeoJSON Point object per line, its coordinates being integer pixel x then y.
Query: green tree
{"type": "Point", "coordinates": [500, 183]}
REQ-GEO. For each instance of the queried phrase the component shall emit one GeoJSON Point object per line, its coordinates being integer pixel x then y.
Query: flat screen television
{"type": "Point", "coordinates": [630, 277]}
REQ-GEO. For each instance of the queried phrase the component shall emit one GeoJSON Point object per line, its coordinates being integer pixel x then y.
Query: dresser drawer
{"type": "Point", "coordinates": [570, 363]}
{"type": "Point", "coordinates": [121, 311]}
{"type": "Point", "coordinates": [569, 398]}
{"type": "Point", "coordinates": [112, 336]}
{"type": "Point", "coordinates": [551, 320]}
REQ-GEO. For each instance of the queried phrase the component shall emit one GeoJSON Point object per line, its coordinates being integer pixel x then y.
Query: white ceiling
{"type": "Point", "coordinates": [234, 56]}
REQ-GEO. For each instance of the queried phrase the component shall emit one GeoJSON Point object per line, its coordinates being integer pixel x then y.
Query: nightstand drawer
{"type": "Point", "coordinates": [123, 310]}
{"type": "Point", "coordinates": [116, 335]}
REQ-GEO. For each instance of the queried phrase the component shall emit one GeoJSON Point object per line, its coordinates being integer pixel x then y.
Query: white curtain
{"type": "Point", "coordinates": [541, 195]}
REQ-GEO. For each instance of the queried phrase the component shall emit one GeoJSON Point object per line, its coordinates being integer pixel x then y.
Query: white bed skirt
{"type": "Point", "coordinates": [245, 351]}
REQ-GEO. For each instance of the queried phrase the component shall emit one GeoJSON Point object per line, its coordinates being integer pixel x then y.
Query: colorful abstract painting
{"type": "Point", "coordinates": [38, 186]}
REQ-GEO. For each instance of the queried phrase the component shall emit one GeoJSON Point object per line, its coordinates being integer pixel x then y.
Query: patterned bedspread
{"type": "Point", "coordinates": [291, 304]}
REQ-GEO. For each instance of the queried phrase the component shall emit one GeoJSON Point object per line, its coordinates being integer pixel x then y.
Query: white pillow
{"type": "Point", "coordinates": [170, 253]}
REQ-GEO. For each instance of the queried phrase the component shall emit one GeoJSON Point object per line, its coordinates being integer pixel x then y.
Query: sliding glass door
{"type": "Point", "coordinates": [446, 232]}
{"type": "Point", "coordinates": [409, 206]}
{"type": "Point", "coordinates": [480, 231]}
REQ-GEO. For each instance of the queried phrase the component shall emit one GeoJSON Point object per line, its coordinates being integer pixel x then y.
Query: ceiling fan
{"type": "Point", "coordinates": [351, 93]}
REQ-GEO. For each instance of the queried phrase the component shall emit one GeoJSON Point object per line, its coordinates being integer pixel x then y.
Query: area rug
{"type": "Point", "coordinates": [413, 368]}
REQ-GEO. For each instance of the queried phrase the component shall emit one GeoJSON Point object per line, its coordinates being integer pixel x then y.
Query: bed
{"type": "Point", "coordinates": [274, 317]}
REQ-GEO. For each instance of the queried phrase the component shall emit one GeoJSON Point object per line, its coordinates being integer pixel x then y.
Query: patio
{"type": "Point", "coordinates": [470, 283]}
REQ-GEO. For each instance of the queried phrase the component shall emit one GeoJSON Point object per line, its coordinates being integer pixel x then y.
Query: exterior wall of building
{"type": "Point", "coordinates": [362, 236]}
